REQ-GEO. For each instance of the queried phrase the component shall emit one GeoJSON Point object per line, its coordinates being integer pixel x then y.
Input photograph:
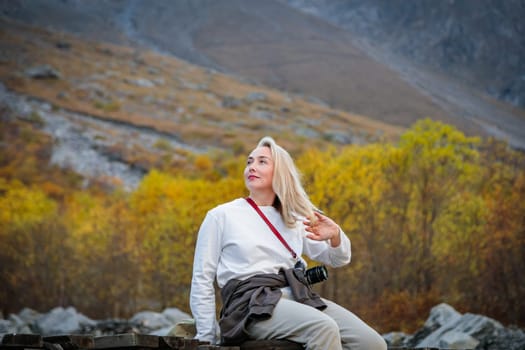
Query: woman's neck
{"type": "Point", "coordinates": [263, 199]}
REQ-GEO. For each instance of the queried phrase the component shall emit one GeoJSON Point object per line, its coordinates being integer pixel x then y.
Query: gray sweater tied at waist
{"type": "Point", "coordinates": [254, 299]}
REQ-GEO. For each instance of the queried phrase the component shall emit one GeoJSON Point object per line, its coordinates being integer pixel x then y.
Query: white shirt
{"type": "Point", "coordinates": [235, 242]}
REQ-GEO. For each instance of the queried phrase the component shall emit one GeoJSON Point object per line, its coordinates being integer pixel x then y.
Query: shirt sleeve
{"type": "Point", "coordinates": [323, 252]}
{"type": "Point", "coordinates": [202, 295]}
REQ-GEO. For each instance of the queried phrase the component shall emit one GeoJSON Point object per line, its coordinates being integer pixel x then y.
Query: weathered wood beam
{"type": "Point", "coordinates": [134, 341]}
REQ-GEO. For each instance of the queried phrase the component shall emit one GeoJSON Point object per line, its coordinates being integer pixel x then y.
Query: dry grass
{"type": "Point", "coordinates": [179, 99]}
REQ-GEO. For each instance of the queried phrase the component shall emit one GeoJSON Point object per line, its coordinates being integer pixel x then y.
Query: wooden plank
{"type": "Point", "coordinates": [22, 340]}
{"type": "Point", "coordinates": [273, 344]}
{"type": "Point", "coordinates": [134, 341]}
{"type": "Point", "coordinates": [126, 340]}
{"type": "Point", "coordinates": [179, 343]}
{"type": "Point", "coordinates": [216, 347]}
{"type": "Point", "coordinates": [72, 341]}
{"type": "Point", "coordinates": [404, 348]}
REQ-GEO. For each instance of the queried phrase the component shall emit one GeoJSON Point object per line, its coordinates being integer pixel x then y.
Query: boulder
{"type": "Point", "coordinates": [151, 320]}
{"type": "Point", "coordinates": [175, 315]}
{"type": "Point", "coordinates": [62, 321]}
{"type": "Point", "coordinates": [469, 325]}
{"type": "Point", "coordinates": [440, 315]}
{"type": "Point", "coordinates": [457, 340]}
{"type": "Point", "coordinates": [43, 72]}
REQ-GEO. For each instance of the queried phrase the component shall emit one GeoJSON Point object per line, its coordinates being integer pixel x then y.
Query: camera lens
{"type": "Point", "coordinates": [316, 274]}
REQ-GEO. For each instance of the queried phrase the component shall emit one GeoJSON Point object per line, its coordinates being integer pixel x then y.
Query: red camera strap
{"type": "Point", "coordinates": [274, 230]}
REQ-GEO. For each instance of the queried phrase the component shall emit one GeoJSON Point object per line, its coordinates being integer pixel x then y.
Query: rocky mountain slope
{"type": "Point", "coordinates": [117, 112]}
{"type": "Point", "coordinates": [275, 44]}
{"type": "Point", "coordinates": [482, 42]}
{"type": "Point", "coordinates": [459, 52]}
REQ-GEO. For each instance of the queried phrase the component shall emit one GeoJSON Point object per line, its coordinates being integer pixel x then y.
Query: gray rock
{"type": "Point", "coordinates": [441, 314]}
{"type": "Point", "coordinates": [151, 320]}
{"type": "Point", "coordinates": [6, 327]}
{"type": "Point", "coordinates": [475, 326]}
{"type": "Point", "coordinates": [457, 340]}
{"type": "Point", "coordinates": [230, 102]}
{"type": "Point", "coordinates": [43, 72]}
{"type": "Point", "coordinates": [256, 96]}
{"type": "Point", "coordinates": [395, 339]}
{"type": "Point", "coordinates": [507, 338]}
{"type": "Point", "coordinates": [162, 332]}
{"type": "Point", "coordinates": [175, 315]}
{"type": "Point", "coordinates": [62, 321]}
{"type": "Point", "coordinates": [141, 82]}
{"type": "Point", "coordinates": [16, 320]}
{"type": "Point", "coordinates": [263, 115]}
{"type": "Point", "coordinates": [306, 132]}
{"type": "Point", "coordinates": [446, 328]}
{"type": "Point", "coordinates": [344, 138]}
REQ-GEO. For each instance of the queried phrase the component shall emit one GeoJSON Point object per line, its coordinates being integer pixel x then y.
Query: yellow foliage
{"type": "Point", "coordinates": [21, 206]}
{"type": "Point", "coordinates": [433, 218]}
{"type": "Point", "coordinates": [203, 163]}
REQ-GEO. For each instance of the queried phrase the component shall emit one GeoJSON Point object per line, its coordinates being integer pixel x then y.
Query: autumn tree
{"type": "Point", "coordinates": [168, 212]}
{"type": "Point", "coordinates": [31, 251]}
{"type": "Point", "coordinates": [502, 242]}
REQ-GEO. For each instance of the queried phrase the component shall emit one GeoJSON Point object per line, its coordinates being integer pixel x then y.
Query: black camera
{"type": "Point", "coordinates": [316, 274]}
{"type": "Point", "coordinates": [311, 276]}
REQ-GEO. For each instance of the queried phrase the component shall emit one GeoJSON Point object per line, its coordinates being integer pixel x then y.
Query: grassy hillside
{"type": "Point", "coordinates": [150, 92]}
{"type": "Point", "coordinates": [281, 47]}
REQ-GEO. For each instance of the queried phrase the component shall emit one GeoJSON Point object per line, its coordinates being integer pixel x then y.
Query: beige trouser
{"type": "Point", "coordinates": [333, 328]}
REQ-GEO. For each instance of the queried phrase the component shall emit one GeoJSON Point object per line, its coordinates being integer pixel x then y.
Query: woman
{"type": "Point", "coordinates": [264, 292]}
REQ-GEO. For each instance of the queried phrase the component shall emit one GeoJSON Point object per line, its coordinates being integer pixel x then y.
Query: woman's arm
{"type": "Point", "coordinates": [202, 295]}
{"type": "Point", "coordinates": [326, 242]}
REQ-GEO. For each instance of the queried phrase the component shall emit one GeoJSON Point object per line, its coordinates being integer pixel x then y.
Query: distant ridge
{"type": "Point", "coordinates": [273, 44]}
{"type": "Point", "coordinates": [479, 41]}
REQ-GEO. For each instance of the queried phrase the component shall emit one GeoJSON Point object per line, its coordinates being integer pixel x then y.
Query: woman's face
{"type": "Point", "coordinates": [258, 173]}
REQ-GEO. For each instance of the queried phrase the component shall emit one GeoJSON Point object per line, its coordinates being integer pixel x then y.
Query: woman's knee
{"type": "Point", "coordinates": [373, 341]}
{"type": "Point", "coordinates": [324, 335]}
{"type": "Point", "coordinates": [363, 338]}
{"type": "Point", "coordinates": [328, 325]}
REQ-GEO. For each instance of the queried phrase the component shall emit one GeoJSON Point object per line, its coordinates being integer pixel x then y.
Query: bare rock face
{"type": "Point", "coordinates": [465, 38]}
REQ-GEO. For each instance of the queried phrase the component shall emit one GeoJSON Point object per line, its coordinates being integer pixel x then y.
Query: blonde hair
{"type": "Point", "coordinates": [291, 198]}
